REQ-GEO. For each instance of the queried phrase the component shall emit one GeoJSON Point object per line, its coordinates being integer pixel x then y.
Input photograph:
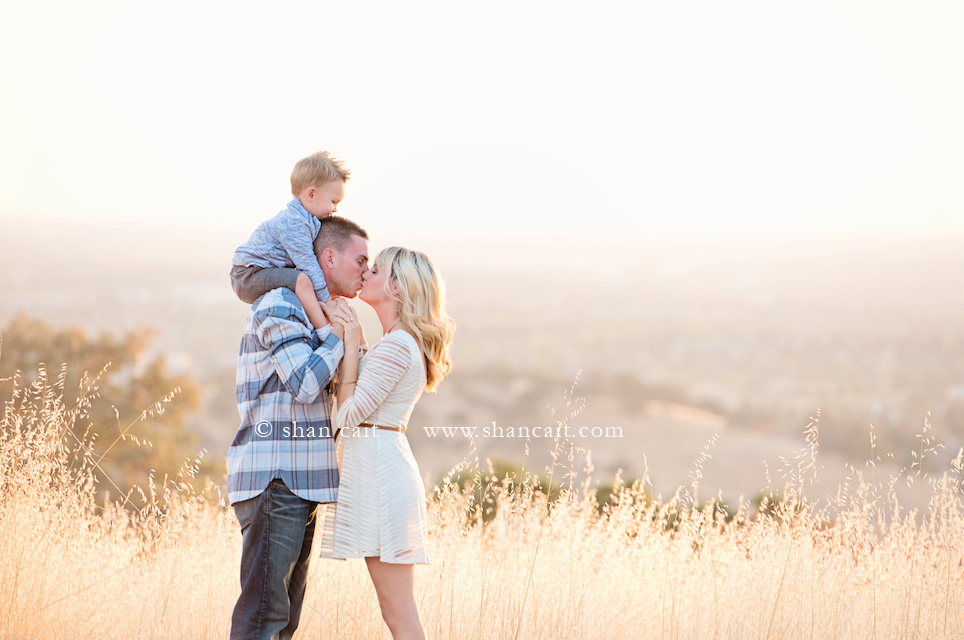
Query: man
{"type": "Point", "coordinates": [282, 461]}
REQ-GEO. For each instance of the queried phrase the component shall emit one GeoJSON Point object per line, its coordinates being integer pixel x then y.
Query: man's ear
{"type": "Point", "coordinates": [328, 256]}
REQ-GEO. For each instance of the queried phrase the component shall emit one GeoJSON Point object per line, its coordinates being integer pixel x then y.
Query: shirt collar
{"type": "Point", "coordinates": [300, 208]}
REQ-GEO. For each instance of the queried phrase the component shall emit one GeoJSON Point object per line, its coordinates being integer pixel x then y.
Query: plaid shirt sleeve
{"type": "Point", "coordinates": [284, 370]}
{"type": "Point", "coordinates": [304, 372]}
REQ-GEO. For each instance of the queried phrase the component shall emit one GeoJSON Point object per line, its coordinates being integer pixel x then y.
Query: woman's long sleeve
{"type": "Point", "coordinates": [384, 366]}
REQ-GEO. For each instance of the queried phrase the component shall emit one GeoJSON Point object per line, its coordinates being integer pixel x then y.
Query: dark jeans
{"type": "Point", "coordinates": [251, 282]}
{"type": "Point", "coordinates": [277, 528]}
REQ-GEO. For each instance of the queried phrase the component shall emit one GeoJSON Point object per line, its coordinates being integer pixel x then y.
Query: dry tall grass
{"type": "Point", "coordinates": [71, 568]}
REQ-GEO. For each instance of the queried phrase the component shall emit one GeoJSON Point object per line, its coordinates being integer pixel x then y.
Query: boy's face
{"type": "Point", "coordinates": [323, 201]}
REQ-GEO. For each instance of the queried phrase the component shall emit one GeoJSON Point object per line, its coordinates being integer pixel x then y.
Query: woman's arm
{"type": "Point", "coordinates": [384, 367]}
{"type": "Point", "coordinates": [348, 374]}
{"type": "Point", "coordinates": [362, 341]}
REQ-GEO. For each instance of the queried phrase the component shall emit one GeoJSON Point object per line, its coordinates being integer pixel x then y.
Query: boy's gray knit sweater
{"type": "Point", "coordinates": [286, 241]}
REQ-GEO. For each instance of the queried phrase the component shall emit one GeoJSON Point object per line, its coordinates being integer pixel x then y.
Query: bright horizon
{"type": "Point", "coordinates": [515, 120]}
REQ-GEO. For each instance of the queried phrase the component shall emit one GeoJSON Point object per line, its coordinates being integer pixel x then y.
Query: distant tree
{"type": "Point", "coordinates": [609, 493]}
{"type": "Point", "coordinates": [126, 384]}
{"type": "Point", "coordinates": [502, 478]}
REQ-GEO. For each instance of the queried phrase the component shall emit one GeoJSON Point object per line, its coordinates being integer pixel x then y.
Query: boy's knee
{"type": "Point", "coordinates": [244, 294]}
{"type": "Point", "coordinates": [239, 280]}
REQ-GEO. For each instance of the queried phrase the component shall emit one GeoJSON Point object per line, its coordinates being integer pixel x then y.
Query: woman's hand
{"type": "Point", "coordinates": [352, 329]}
{"type": "Point", "coordinates": [338, 328]}
{"type": "Point", "coordinates": [346, 326]}
{"type": "Point", "coordinates": [346, 321]}
{"type": "Point", "coordinates": [338, 312]}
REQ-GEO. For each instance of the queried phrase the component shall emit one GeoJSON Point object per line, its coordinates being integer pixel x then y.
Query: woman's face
{"type": "Point", "coordinates": [373, 285]}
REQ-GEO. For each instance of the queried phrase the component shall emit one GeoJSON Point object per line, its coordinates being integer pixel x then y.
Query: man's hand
{"type": "Point", "coordinates": [328, 307]}
{"type": "Point", "coordinates": [339, 314]}
{"type": "Point", "coordinates": [337, 303]}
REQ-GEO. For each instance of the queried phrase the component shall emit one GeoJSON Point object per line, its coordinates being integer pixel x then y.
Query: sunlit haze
{"type": "Point", "coordinates": [649, 120]}
{"type": "Point", "coordinates": [772, 191]}
{"type": "Point", "coordinates": [705, 261]}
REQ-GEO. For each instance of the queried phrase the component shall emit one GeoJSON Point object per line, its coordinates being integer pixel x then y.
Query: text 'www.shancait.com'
{"type": "Point", "coordinates": [495, 431]}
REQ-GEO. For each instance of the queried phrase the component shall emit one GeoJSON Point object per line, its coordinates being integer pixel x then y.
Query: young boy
{"type": "Point", "coordinates": [279, 253]}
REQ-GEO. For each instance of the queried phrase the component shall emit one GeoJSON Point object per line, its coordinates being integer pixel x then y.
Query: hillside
{"type": "Point", "coordinates": [671, 343]}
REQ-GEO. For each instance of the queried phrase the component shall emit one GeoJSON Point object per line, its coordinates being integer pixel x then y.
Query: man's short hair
{"type": "Point", "coordinates": [315, 170]}
{"type": "Point", "coordinates": [336, 232]}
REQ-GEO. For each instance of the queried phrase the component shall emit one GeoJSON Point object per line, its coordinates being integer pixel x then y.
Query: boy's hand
{"type": "Point", "coordinates": [335, 307]}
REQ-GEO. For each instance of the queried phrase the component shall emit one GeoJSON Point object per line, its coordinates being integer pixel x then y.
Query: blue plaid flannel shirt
{"type": "Point", "coordinates": [284, 370]}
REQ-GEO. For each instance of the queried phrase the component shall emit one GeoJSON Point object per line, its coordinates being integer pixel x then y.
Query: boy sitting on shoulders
{"type": "Point", "coordinates": [279, 253]}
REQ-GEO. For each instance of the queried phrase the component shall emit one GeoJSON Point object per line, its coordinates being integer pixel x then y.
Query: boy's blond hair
{"type": "Point", "coordinates": [315, 170]}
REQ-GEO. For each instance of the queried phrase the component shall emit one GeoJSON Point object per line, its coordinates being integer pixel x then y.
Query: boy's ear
{"type": "Point", "coordinates": [310, 192]}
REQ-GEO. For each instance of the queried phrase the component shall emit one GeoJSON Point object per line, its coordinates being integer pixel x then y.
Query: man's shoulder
{"type": "Point", "coordinates": [279, 303]}
{"type": "Point", "coordinates": [275, 317]}
{"type": "Point", "coordinates": [280, 297]}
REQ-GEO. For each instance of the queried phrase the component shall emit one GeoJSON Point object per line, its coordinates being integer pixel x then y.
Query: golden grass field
{"type": "Point", "coordinates": [512, 565]}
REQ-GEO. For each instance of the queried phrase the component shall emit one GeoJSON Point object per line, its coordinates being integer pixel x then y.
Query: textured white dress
{"type": "Point", "coordinates": [381, 501]}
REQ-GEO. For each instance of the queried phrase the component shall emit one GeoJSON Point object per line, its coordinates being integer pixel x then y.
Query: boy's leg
{"type": "Point", "coordinates": [251, 282]}
{"type": "Point", "coordinates": [277, 528]}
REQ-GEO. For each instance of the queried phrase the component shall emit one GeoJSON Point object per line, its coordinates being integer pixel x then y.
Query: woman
{"type": "Point", "coordinates": [381, 513]}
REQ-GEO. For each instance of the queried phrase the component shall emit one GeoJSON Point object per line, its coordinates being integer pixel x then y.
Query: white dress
{"type": "Point", "coordinates": [381, 501]}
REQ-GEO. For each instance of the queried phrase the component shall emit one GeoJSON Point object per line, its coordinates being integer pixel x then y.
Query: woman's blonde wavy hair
{"type": "Point", "coordinates": [421, 306]}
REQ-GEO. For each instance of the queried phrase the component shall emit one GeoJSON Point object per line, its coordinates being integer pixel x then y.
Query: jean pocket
{"type": "Point", "coordinates": [245, 512]}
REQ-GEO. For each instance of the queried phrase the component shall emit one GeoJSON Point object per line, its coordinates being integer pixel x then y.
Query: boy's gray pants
{"type": "Point", "coordinates": [250, 282]}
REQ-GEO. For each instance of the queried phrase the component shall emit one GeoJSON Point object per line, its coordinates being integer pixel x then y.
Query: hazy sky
{"type": "Point", "coordinates": [641, 119]}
